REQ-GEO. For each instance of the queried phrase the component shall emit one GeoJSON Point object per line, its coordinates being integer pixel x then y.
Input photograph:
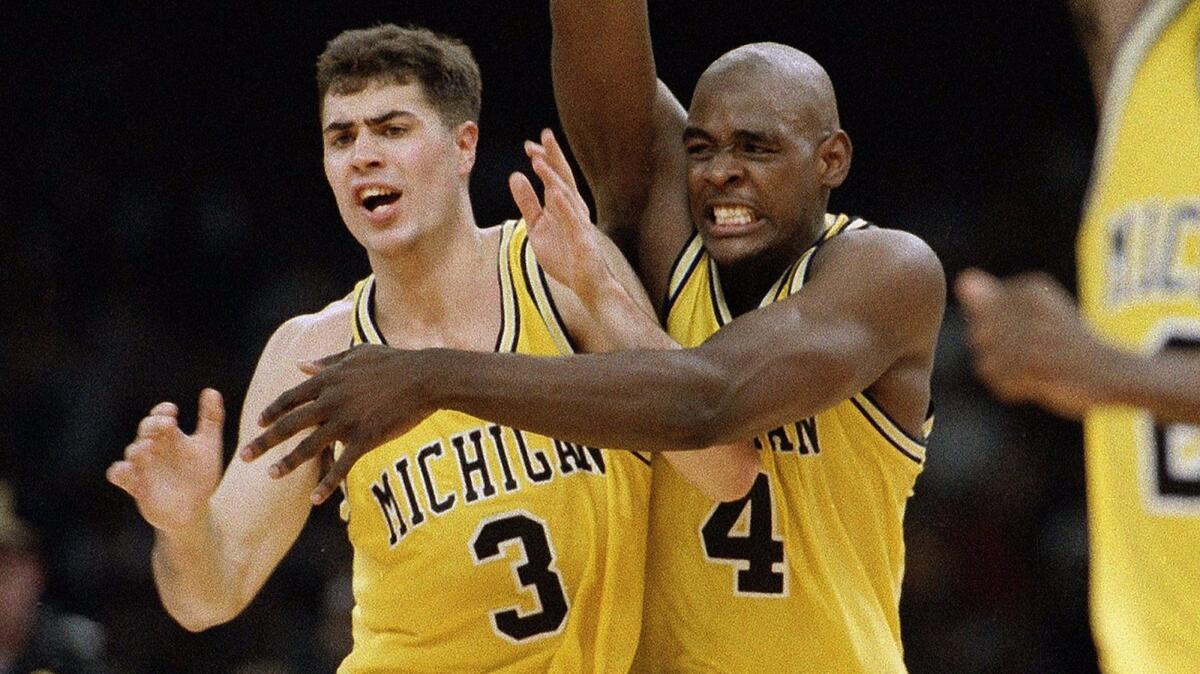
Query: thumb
{"type": "Point", "coordinates": [976, 290]}
{"type": "Point", "coordinates": [210, 420]}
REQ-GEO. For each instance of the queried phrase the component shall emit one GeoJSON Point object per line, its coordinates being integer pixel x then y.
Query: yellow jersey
{"type": "Point", "coordinates": [804, 573]}
{"type": "Point", "coordinates": [479, 547]}
{"type": "Point", "coordinates": [1139, 285]}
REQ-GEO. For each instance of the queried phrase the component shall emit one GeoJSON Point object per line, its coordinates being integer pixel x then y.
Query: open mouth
{"type": "Point", "coordinates": [732, 217]}
{"type": "Point", "coordinates": [374, 198]}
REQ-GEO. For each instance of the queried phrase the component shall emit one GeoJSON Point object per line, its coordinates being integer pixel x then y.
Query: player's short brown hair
{"type": "Point", "coordinates": [389, 54]}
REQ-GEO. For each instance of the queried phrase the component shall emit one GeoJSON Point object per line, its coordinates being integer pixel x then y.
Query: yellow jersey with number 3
{"type": "Point", "coordinates": [1139, 284]}
{"type": "Point", "coordinates": [479, 547]}
{"type": "Point", "coordinates": [803, 574]}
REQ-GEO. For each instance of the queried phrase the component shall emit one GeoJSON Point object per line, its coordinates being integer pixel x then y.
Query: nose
{"type": "Point", "coordinates": [723, 169]}
{"type": "Point", "coordinates": [366, 152]}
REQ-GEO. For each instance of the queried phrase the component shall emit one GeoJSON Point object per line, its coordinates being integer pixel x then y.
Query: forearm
{"type": "Point", "coordinates": [1167, 384]}
{"type": "Point", "coordinates": [604, 88]}
{"type": "Point", "coordinates": [649, 399]}
{"type": "Point", "coordinates": [623, 322]}
{"type": "Point", "coordinates": [194, 581]}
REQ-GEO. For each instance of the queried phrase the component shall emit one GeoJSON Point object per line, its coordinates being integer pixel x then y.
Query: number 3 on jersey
{"type": "Point", "coordinates": [756, 554]}
{"type": "Point", "coordinates": [535, 569]}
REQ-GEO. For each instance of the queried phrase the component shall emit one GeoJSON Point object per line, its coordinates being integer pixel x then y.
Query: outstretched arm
{"type": "Point", "coordinates": [1030, 345]}
{"type": "Point", "coordinates": [774, 365]}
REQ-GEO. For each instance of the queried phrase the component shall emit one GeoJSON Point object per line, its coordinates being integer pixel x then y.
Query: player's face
{"type": "Point", "coordinates": [396, 170]}
{"type": "Point", "coordinates": [753, 169]}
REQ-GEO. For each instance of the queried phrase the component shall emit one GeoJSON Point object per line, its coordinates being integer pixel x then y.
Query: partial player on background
{"type": "Point", "coordinates": [811, 332]}
{"type": "Point", "coordinates": [1130, 366]}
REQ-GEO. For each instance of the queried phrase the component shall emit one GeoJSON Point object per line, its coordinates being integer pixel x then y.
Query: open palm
{"type": "Point", "coordinates": [170, 474]}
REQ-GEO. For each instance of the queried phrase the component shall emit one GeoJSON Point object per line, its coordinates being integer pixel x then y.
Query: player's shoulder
{"type": "Point", "coordinates": [882, 253]}
{"type": "Point", "coordinates": [316, 334]}
{"type": "Point", "coordinates": [895, 267]}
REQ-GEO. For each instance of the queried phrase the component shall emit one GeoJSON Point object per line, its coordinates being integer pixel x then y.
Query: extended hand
{"type": "Point", "coordinates": [172, 475]}
{"type": "Point", "coordinates": [362, 397]}
{"type": "Point", "coordinates": [562, 234]}
{"type": "Point", "coordinates": [1029, 343]}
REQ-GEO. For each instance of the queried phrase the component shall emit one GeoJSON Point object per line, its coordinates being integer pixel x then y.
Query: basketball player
{"type": "Point", "coordinates": [812, 332]}
{"type": "Point", "coordinates": [477, 547]}
{"type": "Point", "coordinates": [1127, 367]}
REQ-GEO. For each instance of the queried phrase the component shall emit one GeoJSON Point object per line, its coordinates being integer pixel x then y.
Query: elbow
{"type": "Point", "coordinates": [700, 412]}
{"type": "Point", "coordinates": [195, 618]}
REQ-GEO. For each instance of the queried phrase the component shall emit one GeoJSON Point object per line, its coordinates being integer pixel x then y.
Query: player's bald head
{"type": "Point", "coordinates": [785, 77]}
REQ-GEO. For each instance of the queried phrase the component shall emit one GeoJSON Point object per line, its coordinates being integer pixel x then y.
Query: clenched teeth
{"type": "Point", "coordinates": [733, 215]}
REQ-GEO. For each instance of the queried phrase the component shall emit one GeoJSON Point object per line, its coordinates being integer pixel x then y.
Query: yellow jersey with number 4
{"type": "Point", "coordinates": [1139, 284]}
{"type": "Point", "coordinates": [479, 547]}
{"type": "Point", "coordinates": [803, 574]}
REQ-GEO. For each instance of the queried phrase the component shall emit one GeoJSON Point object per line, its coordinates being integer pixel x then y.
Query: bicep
{"type": "Point", "coordinates": [867, 308]}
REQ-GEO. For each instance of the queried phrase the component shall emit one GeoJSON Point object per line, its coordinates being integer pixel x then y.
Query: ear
{"type": "Point", "coordinates": [835, 153]}
{"type": "Point", "coordinates": [466, 138]}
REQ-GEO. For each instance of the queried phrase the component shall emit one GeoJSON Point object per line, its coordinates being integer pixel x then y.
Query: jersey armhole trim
{"type": "Point", "coordinates": [910, 447]}
{"type": "Point", "coordinates": [684, 266]}
{"type": "Point", "coordinates": [540, 292]}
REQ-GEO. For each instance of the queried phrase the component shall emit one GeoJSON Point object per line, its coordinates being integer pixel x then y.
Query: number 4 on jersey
{"type": "Point", "coordinates": [757, 552]}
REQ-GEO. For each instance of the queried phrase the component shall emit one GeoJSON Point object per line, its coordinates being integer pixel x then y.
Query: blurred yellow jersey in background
{"type": "Point", "coordinates": [1139, 285]}
{"type": "Point", "coordinates": [479, 547]}
{"type": "Point", "coordinates": [804, 573]}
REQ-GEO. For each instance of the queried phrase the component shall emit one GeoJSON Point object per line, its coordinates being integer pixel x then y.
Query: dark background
{"type": "Point", "coordinates": [163, 209]}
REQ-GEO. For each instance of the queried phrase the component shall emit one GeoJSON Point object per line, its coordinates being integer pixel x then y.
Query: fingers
{"type": "Point", "coordinates": [332, 359]}
{"type": "Point", "coordinates": [557, 158]}
{"type": "Point", "coordinates": [165, 409]}
{"type": "Point", "coordinates": [977, 290]}
{"type": "Point", "coordinates": [308, 448]}
{"type": "Point", "coordinates": [210, 417]}
{"type": "Point", "coordinates": [337, 473]}
{"type": "Point", "coordinates": [282, 429]}
{"type": "Point", "coordinates": [526, 198]}
{"type": "Point", "coordinates": [159, 427]}
{"type": "Point", "coordinates": [288, 400]}
{"type": "Point", "coordinates": [125, 475]}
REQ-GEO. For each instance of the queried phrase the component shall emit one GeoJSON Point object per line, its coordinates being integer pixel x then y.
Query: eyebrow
{"type": "Point", "coordinates": [741, 135]}
{"type": "Point", "coordinates": [373, 121]}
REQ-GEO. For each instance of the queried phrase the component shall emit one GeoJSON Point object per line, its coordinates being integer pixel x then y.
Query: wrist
{"type": "Point", "coordinates": [597, 286]}
{"type": "Point", "coordinates": [188, 533]}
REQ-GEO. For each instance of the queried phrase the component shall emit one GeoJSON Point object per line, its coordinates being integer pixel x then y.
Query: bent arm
{"type": "Point", "coordinates": [783, 362]}
{"type": "Point", "coordinates": [208, 573]}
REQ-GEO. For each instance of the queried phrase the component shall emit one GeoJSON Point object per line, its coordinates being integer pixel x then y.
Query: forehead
{"type": "Point", "coordinates": [376, 100]}
{"type": "Point", "coordinates": [728, 102]}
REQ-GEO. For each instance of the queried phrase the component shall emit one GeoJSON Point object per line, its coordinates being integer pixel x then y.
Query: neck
{"type": "Point", "coordinates": [432, 279]}
{"type": "Point", "coordinates": [746, 282]}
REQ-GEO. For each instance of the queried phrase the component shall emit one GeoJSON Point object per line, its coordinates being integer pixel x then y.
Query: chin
{"type": "Point", "coordinates": [727, 251]}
